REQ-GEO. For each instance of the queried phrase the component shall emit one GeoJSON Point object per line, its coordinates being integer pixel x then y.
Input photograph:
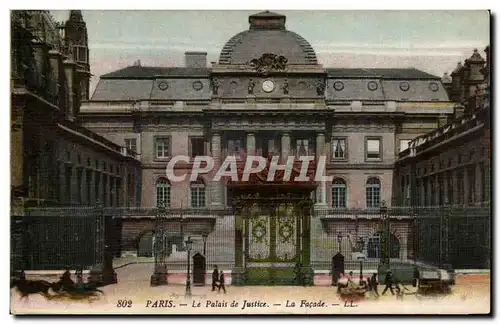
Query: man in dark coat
{"type": "Point", "coordinates": [389, 280]}
{"type": "Point", "coordinates": [221, 281]}
{"type": "Point", "coordinates": [215, 278]}
{"type": "Point", "coordinates": [373, 284]}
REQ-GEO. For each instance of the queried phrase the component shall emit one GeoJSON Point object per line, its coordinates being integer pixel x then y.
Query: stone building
{"type": "Point", "coordinates": [269, 94]}
{"type": "Point", "coordinates": [448, 172]}
{"type": "Point", "coordinates": [55, 161]}
{"type": "Point", "coordinates": [452, 164]}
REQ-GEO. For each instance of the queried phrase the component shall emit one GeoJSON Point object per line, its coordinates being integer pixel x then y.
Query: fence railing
{"type": "Point", "coordinates": [54, 238]}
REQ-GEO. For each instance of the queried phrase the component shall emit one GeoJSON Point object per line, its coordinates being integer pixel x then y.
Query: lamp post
{"type": "Point", "coordinates": [385, 246]}
{"type": "Point", "coordinates": [361, 245]}
{"type": "Point", "coordinates": [339, 240]}
{"type": "Point", "coordinates": [189, 245]}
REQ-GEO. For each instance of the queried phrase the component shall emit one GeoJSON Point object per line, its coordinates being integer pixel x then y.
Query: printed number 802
{"type": "Point", "coordinates": [124, 303]}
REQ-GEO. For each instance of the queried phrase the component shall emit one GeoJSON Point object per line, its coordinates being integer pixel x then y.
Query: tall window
{"type": "Point", "coordinates": [471, 181]}
{"type": "Point", "coordinates": [482, 174]}
{"type": "Point", "coordinates": [460, 186]}
{"type": "Point", "coordinates": [441, 189]}
{"type": "Point", "coordinates": [339, 193]}
{"type": "Point", "coordinates": [432, 192]}
{"type": "Point", "coordinates": [131, 144]}
{"type": "Point", "coordinates": [197, 194]}
{"type": "Point", "coordinates": [196, 146]}
{"type": "Point", "coordinates": [426, 191]}
{"type": "Point", "coordinates": [234, 147]}
{"type": "Point", "coordinates": [404, 144]}
{"type": "Point", "coordinates": [162, 193]}
{"type": "Point", "coordinates": [68, 178]}
{"type": "Point", "coordinates": [304, 147]}
{"type": "Point", "coordinates": [372, 148]}
{"type": "Point", "coordinates": [267, 144]}
{"type": "Point", "coordinates": [79, 181]}
{"type": "Point", "coordinates": [339, 148]}
{"type": "Point", "coordinates": [373, 193]}
{"type": "Point", "coordinates": [83, 90]}
{"type": "Point", "coordinates": [449, 180]}
{"type": "Point", "coordinates": [162, 147]}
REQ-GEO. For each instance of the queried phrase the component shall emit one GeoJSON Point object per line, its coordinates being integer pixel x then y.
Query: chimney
{"type": "Point", "coordinates": [447, 83]}
{"type": "Point", "coordinates": [196, 59]}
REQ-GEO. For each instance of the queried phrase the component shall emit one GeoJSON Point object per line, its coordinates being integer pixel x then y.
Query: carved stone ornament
{"type": "Point", "coordinates": [433, 86]}
{"type": "Point", "coordinates": [269, 62]}
{"type": "Point", "coordinates": [215, 86]}
{"type": "Point", "coordinates": [320, 87]}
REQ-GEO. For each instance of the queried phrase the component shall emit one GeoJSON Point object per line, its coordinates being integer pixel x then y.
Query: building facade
{"type": "Point", "coordinates": [452, 164]}
{"type": "Point", "coordinates": [55, 161]}
{"type": "Point", "coordinates": [268, 94]}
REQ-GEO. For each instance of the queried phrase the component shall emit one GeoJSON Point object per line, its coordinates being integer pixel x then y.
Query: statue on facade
{"type": "Point", "coordinates": [251, 85]}
{"type": "Point", "coordinates": [215, 86]}
{"type": "Point", "coordinates": [285, 87]}
{"type": "Point", "coordinates": [320, 87]}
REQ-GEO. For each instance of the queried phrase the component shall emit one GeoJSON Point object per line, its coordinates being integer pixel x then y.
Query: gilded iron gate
{"type": "Point", "coordinates": [273, 242]}
{"type": "Point", "coordinates": [276, 241]}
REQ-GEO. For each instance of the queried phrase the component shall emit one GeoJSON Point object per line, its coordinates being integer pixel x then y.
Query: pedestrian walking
{"type": "Point", "coordinates": [389, 280]}
{"type": "Point", "coordinates": [215, 278]}
{"type": "Point", "coordinates": [373, 284]}
{"type": "Point", "coordinates": [221, 281]}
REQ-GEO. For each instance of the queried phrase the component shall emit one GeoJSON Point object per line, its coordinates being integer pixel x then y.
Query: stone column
{"type": "Point", "coordinates": [445, 189]}
{"type": "Point", "coordinates": [81, 181]}
{"type": "Point", "coordinates": [251, 143]}
{"type": "Point", "coordinates": [479, 182]}
{"type": "Point", "coordinates": [466, 186]}
{"type": "Point", "coordinates": [62, 183]}
{"type": "Point", "coordinates": [285, 147]}
{"type": "Point", "coordinates": [487, 172]}
{"type": "Point", "coordinates": [454, 175]}
{"type": "Point", "coordinates": [321, 190]}
{"type": "Point", "coordinates": [216, 186]}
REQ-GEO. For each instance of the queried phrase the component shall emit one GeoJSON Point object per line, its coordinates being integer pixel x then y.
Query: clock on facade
{"type": "Point", "coordinates": [268, 86]}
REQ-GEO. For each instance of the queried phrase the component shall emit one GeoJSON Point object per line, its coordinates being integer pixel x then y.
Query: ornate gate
{"type": "Point", "coordinates": [273, 241]}
{"type": "Point", "coordinates": [272, 228]}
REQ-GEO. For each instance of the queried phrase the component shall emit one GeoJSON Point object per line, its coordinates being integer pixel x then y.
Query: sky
{"type": "Point", "coordinates": [432, 41]}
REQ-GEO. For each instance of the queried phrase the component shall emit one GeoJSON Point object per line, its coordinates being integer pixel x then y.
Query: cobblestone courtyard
{"type": "Point", "coordinates": [471, 295]}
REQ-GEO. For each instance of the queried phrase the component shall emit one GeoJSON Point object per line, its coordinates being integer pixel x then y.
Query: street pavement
{"type": "Point", "coordinates": [471, 295]}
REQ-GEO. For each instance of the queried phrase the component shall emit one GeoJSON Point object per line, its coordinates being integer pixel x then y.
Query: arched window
{"type": "Point", "coordinates": [339, 193]}
{"type": "Point", "coordinates": [375, 245]}
{"type": "Point", "coordinates": [197, 194]}
{"type": "Point", "coordinates": [373, 193]}
{"type": "Point", "coordinates": [162, 193]}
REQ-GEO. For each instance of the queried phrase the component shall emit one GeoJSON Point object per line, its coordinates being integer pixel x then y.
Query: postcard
{"type": "Point", "coordinates": [241, 162]}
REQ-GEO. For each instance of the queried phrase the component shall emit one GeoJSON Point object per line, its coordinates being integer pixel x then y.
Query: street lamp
{"type": "Point", "coordinates": [385, 247]}
{"type": "Point", "coordinates": [361, 246]}
{"type": "Point", "coordinates": [189, 246]}
{"type": "Point", "coordinates": [339, 240]}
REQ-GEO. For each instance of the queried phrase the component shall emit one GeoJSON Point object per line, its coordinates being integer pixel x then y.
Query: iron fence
{"type": "Point", "coordinates": [55, 238]}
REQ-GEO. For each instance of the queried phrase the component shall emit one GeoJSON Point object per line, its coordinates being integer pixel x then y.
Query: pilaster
{"type": "Point", "coordinates": [251, 143]}
{"type": "Point", "coordinates": [321, 190]}
{"type": "Point", "coordinates": [285, 147]}
{"type": "Point", "coordinates": [216, 186]}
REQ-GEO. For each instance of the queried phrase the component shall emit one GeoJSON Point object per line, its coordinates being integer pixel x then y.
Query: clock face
{"type": "Point", "coordinates": [268, 86]}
